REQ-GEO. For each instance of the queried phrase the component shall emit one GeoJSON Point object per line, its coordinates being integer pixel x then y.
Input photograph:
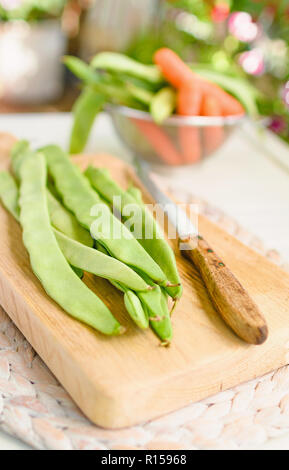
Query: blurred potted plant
{"type": "Point", "coordinates": [31, 46]}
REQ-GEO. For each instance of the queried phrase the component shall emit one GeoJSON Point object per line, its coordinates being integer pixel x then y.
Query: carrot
{"type": "Point", "coordinates": [173, 68]}
{"type": "Point", "coordinates": [189, 104]}
{"type": "Point", "coordinates": [160, 142]}
{"type": "Point", "coordinates": [189, 99]}
{"type": "Point", "coordinates": [229, 105]}
{"type": "Point", "coordinates": [179, 74]}
{"type": "Point", "coordinates": [213, 135]}
{"type": "Point", "coordinates": [190, 143]}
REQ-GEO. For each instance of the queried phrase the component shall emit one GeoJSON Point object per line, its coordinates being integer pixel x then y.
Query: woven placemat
{"type": "Point", "coordinates": [35, 408]}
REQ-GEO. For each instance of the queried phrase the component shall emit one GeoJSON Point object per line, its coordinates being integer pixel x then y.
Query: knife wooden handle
{"type": "Point", "coordinates": [227, 294]}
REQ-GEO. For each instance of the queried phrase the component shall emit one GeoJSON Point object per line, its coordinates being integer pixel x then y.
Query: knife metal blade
{"type": "Point", "coordinates": [229, 297]}
{"type": "Point", "coordinates": [185, 228]}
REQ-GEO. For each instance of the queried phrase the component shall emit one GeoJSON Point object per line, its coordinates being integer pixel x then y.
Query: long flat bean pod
{"type": "Point", "coordinates": [162, 104]}
{"type": "Point", "coordinates": [80, 198]}
{"type": "Point", "coordinates": [60, 217]}
{"type": "Point", "coordinates": [80, 255]}
{"type": "Point", "coordinates": [133, 306]}
{"type": "Point", "coordinates": [9, 193]}
{"type": "Point", "coordinates": [85, 110]}
{"type": "Point", "coordinates": [156, 307]}
{"type": "Point", "coordinates": [64, 221]}
{"type": "Point", "coordinates": [135, 309]}
{"type": "Point", "coordinates": [9, 196]}
{"type": "Point", "coordinates": [110, 88]}
{"type": "Point", "coordinates": [139, 310]}
{"type": "Point", "coordinates": [47, 261]}
{"type": "Point", "coordinates": [19, 152]}
{"type": "Point", "coordinates": [116, 62]}
{"type": "Point", "coordinates": [132, 302]}
{"type": "Point", "coordinates": [100, 264]}
{"type": "Point", "coordinates": [153, 307]}
{"type": "Point", "coordinates": [156, 245]}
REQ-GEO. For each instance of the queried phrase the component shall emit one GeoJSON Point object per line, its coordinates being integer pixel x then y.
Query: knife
{"type": "Point", "coordinates": [229, 297]}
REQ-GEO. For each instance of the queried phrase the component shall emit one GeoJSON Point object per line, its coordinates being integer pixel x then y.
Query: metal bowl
{"type": "Point", "coordinates": [178, 141]}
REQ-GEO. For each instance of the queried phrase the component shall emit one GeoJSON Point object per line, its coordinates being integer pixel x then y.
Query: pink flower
{"type": "Point", "coordinates": [242, 26]}
{"type": "Point", "coordinates": [252, 62]}
{"type": "Point", "coordinates": [277, 124]}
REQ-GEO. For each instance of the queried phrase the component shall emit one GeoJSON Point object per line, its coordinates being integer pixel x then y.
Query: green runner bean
{"type": "Point", "coordinates": [116, 62]}
{"type": "Point", "coordinates": [9, 193]}
{"type": "Point", "coordinates": [72, 245]}
{"type": "Point", "coordinates": [65, 222]}
{"type": "Point", "coordinates": [77, 271]}
{"type": "Point", "coordinates": [155, 307]}
{"type": "Point", "coordinates": [19, 152]}
{"type": "Point", "coordinates": [85, 109]}
{"type": "Point", "coordinates": [131, 300]}
{"type": "Point", "coordinates": [47, 260]}
{"type": "Point", "coordinates": [100, 264]}
{"type": "Point", "coordinates": [110, 88]}
{"type": "Point", "coordinates": [135, 309]}
{"type": "Point", "coordinates": [80, 198]}
{"type": "Point", "coordinates": [135, 193]}
{"type": "Point", "coordinates": [163, 104]}
{"type": "Point", "coordinates": [140, 94]}
{"type": "Point", "coordinates": [156, 244]}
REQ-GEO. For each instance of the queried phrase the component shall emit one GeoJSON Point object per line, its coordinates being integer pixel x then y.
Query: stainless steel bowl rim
{"type": "Point", "coordinates": [199, 121]}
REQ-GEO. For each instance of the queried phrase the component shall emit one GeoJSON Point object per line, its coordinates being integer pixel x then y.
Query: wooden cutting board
{"type": "Point", "coordinates": [122, 381]}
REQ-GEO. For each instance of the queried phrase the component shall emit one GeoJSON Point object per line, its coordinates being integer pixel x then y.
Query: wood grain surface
{"type": "Point", "coordinates": [121, 381]}
{"type": "Point", "coordinates": [229, 297]}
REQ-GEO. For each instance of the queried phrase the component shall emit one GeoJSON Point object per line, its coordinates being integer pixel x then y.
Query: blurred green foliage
{"type": "Point", "coordinates": [30, 10]}
{"type": "Point", "coordinates": [196, 30]}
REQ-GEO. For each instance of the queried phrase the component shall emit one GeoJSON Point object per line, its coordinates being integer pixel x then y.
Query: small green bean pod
{"type": "Point", "coordinates": [65, 222]}
{"type": "Point", "coordinates": [154, 306]}
{"type": "Point", "coordinates": [9, 193]}
{"type": "Point", "coordinates": [163, 104]}
{"type": "Point", "coordinates": [135, 309]}
{"type": "Point", "coordinates": [132, 303]}
{"type": "Point", "coordinates": [120, 63]}
{"type": "Point", "coordinates": [100, 264]}
{"type": "Point", "coordinates": [109, 88]}
{"type": "Point", "coordinates": [85, 110]}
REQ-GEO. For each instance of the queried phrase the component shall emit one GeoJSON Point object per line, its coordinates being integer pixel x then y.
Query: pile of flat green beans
{"type": "Point", "coordinates": [52, 200]}
{"type": "Point", "coordinates": [114, 78]}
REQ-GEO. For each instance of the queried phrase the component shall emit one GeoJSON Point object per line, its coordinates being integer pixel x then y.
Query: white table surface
{"type": "Point", "coordinates": [248, 179]}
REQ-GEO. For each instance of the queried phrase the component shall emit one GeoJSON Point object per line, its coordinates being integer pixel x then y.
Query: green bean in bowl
{"type": "Point", "coordinates": [168, 113]}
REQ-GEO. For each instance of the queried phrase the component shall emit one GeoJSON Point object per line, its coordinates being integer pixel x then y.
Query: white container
{"type": "Point", "coordinates": [30, 61]}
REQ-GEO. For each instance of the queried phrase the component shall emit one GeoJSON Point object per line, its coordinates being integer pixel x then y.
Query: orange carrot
{"type": "Point", "coordinates": [213, 135]}
{"type": "Point", "coordinates": [160, 142]}
{"type": "Point", "coordinates": [229, 105]}
{"type": "Point", "coordinates": [179, 74]}
{"type": "Point", "coordinates": [190, 143]}
{"type": "Point", "coordinates": [189, 104]}
{"type": "Point", "coordinates": [173, 68]}
{"type": "Point", "coordinates": [189, 99]}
